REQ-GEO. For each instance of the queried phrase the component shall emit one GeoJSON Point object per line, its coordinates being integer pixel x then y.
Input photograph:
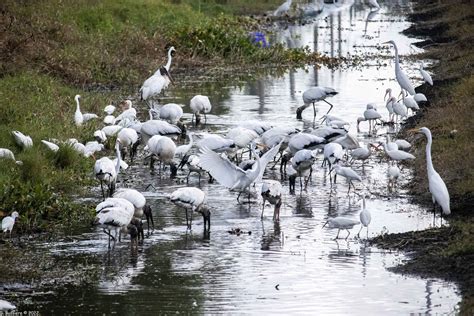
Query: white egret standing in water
{"type": "Point", "coordinates": [341, 222]}
{"type": "Point", "coordinates": [365, 217]}
{"type": "Point", "coordinates": [401, 76]}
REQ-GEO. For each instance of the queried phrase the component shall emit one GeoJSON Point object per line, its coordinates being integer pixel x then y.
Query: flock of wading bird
{"type": "Point", "coordinates": [222, 157]}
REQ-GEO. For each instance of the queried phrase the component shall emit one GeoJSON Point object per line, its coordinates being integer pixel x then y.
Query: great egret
{"type": "Point", "coordinates": [341, 222]}
{"type": "Point", "coordinates": [114, 214]}
{"type": "Point", "coordinates": [283, 9]}
{"type": "Point", "coordinates": [401, 77]}
{"type": "Point", "coordinates": [365, 217]}
{"type": "Point", "coordinates": [8, 154]}
{"type": "Point", "coordinates": [271, 192]}
{"type": "Point", "coordinates": [8, 223]}
{"type": "Point", "coordinates": [313, 95]}
{"type": "Point", "coordinates": [231, 176]}
{"type": "Point", "coordinates": [79, 117]}
{"type": "Point", "coordinates": [22, 140]}
{"type": "Point", "coordinates": [438, 189]}
{"type": "Point", "coordinates": [171, 112]}
{"type": "Point", "coordinates": [426, 76]}
{"type": "Point", "coordinates": [194, 199]}
{"type": "Point", "coordinates": [200, 104]}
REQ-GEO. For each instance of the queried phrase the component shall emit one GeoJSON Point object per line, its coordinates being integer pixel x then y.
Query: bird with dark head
{"type": "Point", "coordinates": [137, 222]}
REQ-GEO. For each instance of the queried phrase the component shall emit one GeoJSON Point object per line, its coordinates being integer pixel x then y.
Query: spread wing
{"type": "Point", "coordinates": [224, 171]}
{"type": "Point", "coordinates": [265, 159]}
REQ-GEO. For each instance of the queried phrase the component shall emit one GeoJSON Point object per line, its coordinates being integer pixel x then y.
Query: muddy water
{"type": "Point", "coordinates": [293, 266]}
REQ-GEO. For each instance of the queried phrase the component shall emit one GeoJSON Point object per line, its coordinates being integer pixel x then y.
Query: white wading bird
{"type": "Point", "coordinates": [391, 100]}
{"type": "Point", "coordinates": [80, 118]}
{"type": "Point", "coordinates": [313, 95]}
{"type": "Point", "coordinates": [194, 199]}
{"type": "Point", "coordinates": [271, 192]}
{"type": "Point", "coordinates": [426, 76]}
{"type": "Point", "coordinates": [50, 145]}
{"type": "Point", "coordinates": [158, 81]}
{"type": "Point", "coordinates": [365, 218]}
{"type": "Point", "coordinates": [8, 223]}
{"type": "Point", "coordinates": [171, 112]}
{"type": "Point", "coordinates": [231, 176]}
{"type": "Point", "coordinates": [341, 223]}
{"type": "Point", "coordinates": [373, 4]}
{"type": "Point", "coordinates": [200, 104]}
{"type": "Point", "coordinates": [163, 149]}
{"type": "Point", "coordinates": [283, 9]}
{"type": "Point", "coordinates": [438, 189]}
{"type": "Point", "coordinates": [401, 77]}
{"type": "Point", "coordinates": [8, 154]}
{"type": "Point", "coordinates": [22, 140]}
{"type": "Point", "coordinates": [114, 214]}
{"type": "Point", "coordinates": [347, 173]}
{"type": "Point", "coordinates": [106, 171]}
{"type": "Point", "coordinates": [6, 306]}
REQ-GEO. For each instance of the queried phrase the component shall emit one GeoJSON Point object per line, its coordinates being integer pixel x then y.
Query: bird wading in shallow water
{"type": "Point", "coordinates": [313, 95]}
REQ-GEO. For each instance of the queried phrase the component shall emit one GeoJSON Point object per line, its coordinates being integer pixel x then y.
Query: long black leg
{"type": "Point", "coordinates": [329, 108]}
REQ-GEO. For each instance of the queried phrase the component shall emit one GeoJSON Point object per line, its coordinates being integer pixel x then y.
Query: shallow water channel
{"type": "Point", "coordinates": [293, 266]}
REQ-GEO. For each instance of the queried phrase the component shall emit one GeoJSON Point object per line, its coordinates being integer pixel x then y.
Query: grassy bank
{"type": "Point", "coordinates": [447, 252]}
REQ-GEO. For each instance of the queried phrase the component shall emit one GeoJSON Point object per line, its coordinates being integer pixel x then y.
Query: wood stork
{"type": "Point", "coordinates": [171, 112]}
{"type": "Point", "coordinates": [437, 187]}
{"type": "Point", "coordinates": [114, 214]}
{"type": "Point", "coordinates": [192, 162]}
{"type": "Point", "coordinates": [133, 196]}
{"type": "Point", "coordinates": [151, 128]}
{"type": "Point", "coordinates": [302, 162]}
{"type": "Point", "coordinates": [420, 97]}
{"type": "Point", "coordinates": [426, 76]}
{"type": "Point", "coordinates": [241, 137]}
{"type": "Point", "coordinates": [100, 136]}
{"type": "Point", "coordinates": [200, 104]}
{"type": "Point", "coordinates": [183, 150]}
{"type": "Point", "coordinates": [106, 171]}
{"type": "Point", "coordinates": [313, 95]}
{"type": "Point", "coordinates": [155, 84]}
{"type": "Point", "coordinates": [8, 223]}
{"type": "Point", "coordinates": [305, 141]}
{"type": "Point", "coordinates": [341, 222]}
{"type": "Point", "coordinates": [401, 77]}
{"type": "Point", "coordinates": [22, 140]}
{"type": "Point", "coordinates": [271, 191]}
{"type": "Point", "coordinates": [128, 140]}
{"type": "Point", "coordinates": [332, 152]}
{"type": "Point", "coordinates": [163, 149]}
{"type": "Point", "coordinates": [79, 117]}
{"type": "Point", "coordinates": [194, 199]}
{"type": "Point", "coordinates": [231, 176]}
{"type": "Point", "coordinates": [258, 127]}
{"type": "Point", "coordinates": [109, 120]}
{"type": "Point", "coordinates": [6, 153]}
{"type": "Point", "coordinates": [365, 218]}
{"type": "Point", "coordinates": [215, 143]}
{"type": "Point", "coordinates": [89, 149]}
{"type": "Point", "coordinates": [111, 130]}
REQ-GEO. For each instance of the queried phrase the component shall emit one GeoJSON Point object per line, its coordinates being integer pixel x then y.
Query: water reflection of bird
{"type": "Point", "coordinates": [437, 187]}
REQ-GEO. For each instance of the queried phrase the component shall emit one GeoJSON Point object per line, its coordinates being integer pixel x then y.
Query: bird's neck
{"type": "Point", "coordinates": [429, 162]}
{"type": "Point", "coordinates": [168, 64]}
{"type": "Point", "coordinates": [397, 62]}
{"type": "Point", "coordinates": [117, 150]}
{"type": "Point", "coordinates": [78, 107]}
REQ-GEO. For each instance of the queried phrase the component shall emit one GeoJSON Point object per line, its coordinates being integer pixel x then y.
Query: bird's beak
{"type": "Point", "coordinates": [385, 43]}
{"type": "Point", "coordinates": [169, 76]}
{"type": "Point", "coordinates": [325, 224]}
{"type": "Point", "coordinates": [386, 93]}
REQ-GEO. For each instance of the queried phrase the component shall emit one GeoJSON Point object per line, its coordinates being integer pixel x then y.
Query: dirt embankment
{"type": "Point", "coordinates": [447, 30]}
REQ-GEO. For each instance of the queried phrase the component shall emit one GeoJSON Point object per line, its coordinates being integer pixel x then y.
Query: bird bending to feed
{"type": "Point", "coordinates": [271, 192]}
{"type": "Point", "coordinates": [22, 140]}
{"type": "Point", "coordinates": [8, 223]}
{"type": "Point", "coordinates": [114, 214]}
{"type": "Point", "coordinates": [347, 173]}
{"type": "Point", "coordinates": [231, 176]}
{"type": "Point", "coordinates": [8, 154]}
{"type": "Point", "coordinates": [80, 118]}
{"type": "Point", "coordinates": [401, 76]}
{"type": "Point", "coordinates": [284, 8]}
{"type": "Point", "coordinates": [313, 95]}
{"type": "Point", "coordinates": [426, 76]}
{"type": "Point", "coordinates": [341, 223]}
{"type": "Point", "coordinates": [437, 187]}
{"type": "Point", "coordinates": [171, 112]}
{"type": "Point", "coordinates": [106, 171]}
{"type": "Point", "coordinates": [365, 218]}
{"type": "Point", "coordinates": [163, 149]}
{"type": "Point", "coordinates": [200, 104]}
{"type": "Point", "coordinates": [194, 199]}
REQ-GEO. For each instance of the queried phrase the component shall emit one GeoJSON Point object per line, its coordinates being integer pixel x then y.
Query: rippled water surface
{"type": "Point", "coordinates": [293, 266]}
